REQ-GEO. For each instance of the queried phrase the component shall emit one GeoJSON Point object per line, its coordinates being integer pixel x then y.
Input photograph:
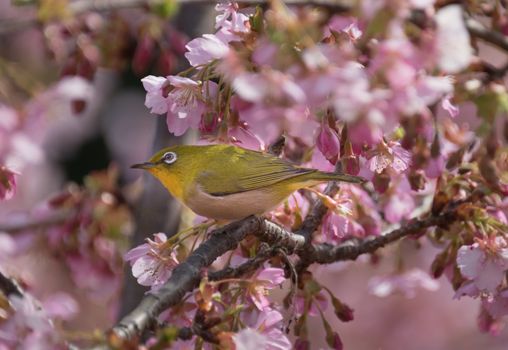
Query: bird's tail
{"type": "Point", "coordinates": [325, 176]}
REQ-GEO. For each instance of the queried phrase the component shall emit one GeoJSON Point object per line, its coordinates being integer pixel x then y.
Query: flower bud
{"type": "Point", "coordinates": [381, 182]}
{"type": "Point", "coordinates": [302, 344]}
{"type": "Point", "coordinates": [342, 311]}
{"type": "Point", "coordinates": [7, 183]}
{"type": "Point", "coordinates": [143, 54]}
{"type": "Point", "coordinates": [165, 62]}
{"type": "Point", "coordinates": [439, 264]}
{"type": "Point", "coordinates": [417, 180]}
{"type": "Point", "coordinates": [328, 143]}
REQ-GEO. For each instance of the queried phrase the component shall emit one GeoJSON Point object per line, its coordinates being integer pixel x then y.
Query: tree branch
{"type": "Point", "coordinates": [185, 277]}
{"type": "Point", "coordinates": [477, 29]}
{"type": "Point", "coordinates": [351, 249]}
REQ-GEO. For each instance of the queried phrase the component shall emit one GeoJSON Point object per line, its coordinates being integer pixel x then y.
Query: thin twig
{"type": "Point", "coordinates": [477, 29]}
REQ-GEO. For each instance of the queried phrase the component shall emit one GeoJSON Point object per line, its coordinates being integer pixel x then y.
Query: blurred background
{"type": "Point", "coordinates": [100, 123]}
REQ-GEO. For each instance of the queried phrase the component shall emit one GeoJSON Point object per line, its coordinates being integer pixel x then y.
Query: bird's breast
{"type": "Point", "coordinates": [232, 206]}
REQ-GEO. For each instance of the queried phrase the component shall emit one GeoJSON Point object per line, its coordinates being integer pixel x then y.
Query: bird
{"type": "Point", "coordinates": [228, 182]}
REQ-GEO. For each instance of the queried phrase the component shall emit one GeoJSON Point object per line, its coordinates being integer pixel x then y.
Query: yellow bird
{"type": "Point", "coordinates": [230, 182]}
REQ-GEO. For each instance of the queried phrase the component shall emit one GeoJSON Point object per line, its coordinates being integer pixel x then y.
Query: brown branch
{"type": "Point", "coordinates": [351, 249]}
{"type": "Point", "coordinates": [495, 38]}
{"type": "Point", "coordinates": [247, 267]}
{"type": "Point", "coordinates": [185, 277]}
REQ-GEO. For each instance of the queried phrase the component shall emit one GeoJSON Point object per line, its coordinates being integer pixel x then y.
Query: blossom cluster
{"type": "Point", "coordinates": [376, 95]}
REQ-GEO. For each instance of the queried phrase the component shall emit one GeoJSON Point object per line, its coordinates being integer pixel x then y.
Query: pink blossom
{"type": "Point", "coordinates": [423, 92]}
{"type": "Point", "coordinates": [187, 103]}
{"type": "Point", "coordinates": [497, 306]}
{"type": "Point", "coordinates": [406, 283]}
{"type": "Point", "coordinates": [336, 228]}
{"type": "Point", "coordinates": [435, 167]}
{"type": "Point", "coordinates": [267, 121]}
{"type": "Point", "coordinates": [389, 155]}
{"type": "Point", "coordinates": [328, 142]}
{"type": "Point", "coordinates": [61, 305]}
{"type": "Point", "coordinates": [201, 51]}
{"type": "Point", "coordinates": [152, 262]}
{"type": "Point", "coordinates": [397, 59]}
{"type": "Point", "coordinates": [155, 99]}
{"type": "Point", "coordinates": [485, 268]}
{"type": "Point", "coordinates": [255, 87]}
{"type": "Point", "coordinates": [230, 18]}
{"type": "Point", "coordinates": [467, 288]}
{"type": "Point", "coordinates": [448, 106]}
{"type": "Point", "coordinates": [488, 324]}
{"type": "Point", "coordinates": [93, 276]}
{"type": "Point", "coordinates": [7, 183]}
{"type": "Point", "coordinates": [266, 333]}
{"type": "Point", "coordinates": [454, 51]}
{"type": "Point", "coordinates": [29, 326]}
{"type": "Point", "coordinates": [264, 280]}
{"type": "Point", "coordinates": [347, 25]}
{"type": "Point", "coordinates": [364, 133]}
{"type": "Point", "coordinates": [245, 138]}
{"type": "Point", "coordinates": [352, 94]}
{"type": "Point", "coordinates": [358, 220]}
{"type": "Point", "coordinates": [398, 202]}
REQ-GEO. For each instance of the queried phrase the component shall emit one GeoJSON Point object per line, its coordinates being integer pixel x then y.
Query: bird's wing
{"type": "Point", "coordinates": [246, 171]}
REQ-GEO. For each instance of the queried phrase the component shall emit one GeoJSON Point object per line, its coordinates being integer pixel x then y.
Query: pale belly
{"type": "Point", "coordinates": [234, 206]}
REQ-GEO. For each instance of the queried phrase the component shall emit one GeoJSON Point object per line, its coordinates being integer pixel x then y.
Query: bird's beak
{"type": "Point", "coordinates": [146, 165]}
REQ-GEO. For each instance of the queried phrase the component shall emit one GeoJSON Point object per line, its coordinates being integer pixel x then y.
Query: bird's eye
{"type": "Point", "coordinates": [169, 157]}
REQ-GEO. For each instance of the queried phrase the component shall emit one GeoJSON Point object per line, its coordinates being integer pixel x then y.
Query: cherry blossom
{"type": "Point", "coordinates": [452, 40]}
{"type": "Point", "coordinates": [389, 155]}
{"type": "Point", "coordinates": [155, 99]}
{"type": "Point", "coordinates": [406, 283]}
{"type": "Point", "coordinates": [152, 262]}
{"type": "Point", "coordinates": [206, 49]}
{"type": "Point", "coordinates": [230, 18]}
{"type": "Point", "coordinates": [263, 281]}
{"type": "Point", "coordinates": [187, 103]}
{"type": "Point", "coordinates": [265, 333]}
{"type": "Point", "coordinates": [486, 268]}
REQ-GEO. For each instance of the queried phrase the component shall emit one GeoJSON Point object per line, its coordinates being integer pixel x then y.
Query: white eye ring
{"type": "Point", "coordinates": [169, 157]}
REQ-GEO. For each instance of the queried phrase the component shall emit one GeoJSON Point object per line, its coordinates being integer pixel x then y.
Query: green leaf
{"type": "Point", "coordinates": [491, 104]}
{"type": "Point", "coordinates": [165, 8]}
{"type": "Point", "coordinates": [256, 21]}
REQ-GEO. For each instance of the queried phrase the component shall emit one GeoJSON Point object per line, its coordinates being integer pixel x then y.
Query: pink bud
{"type": "Point", "coordinates": [143, 54]}
{"type": "Point", "coordinates": [328, 143]}
{"type": "Point", "coordinates": [301, 344]}
{"type": "Point", "coordinates": [381, 182]}
{"type": "Point", "coordinates": [7, 183]}
{"type": "Point", "coordinates": [165, 62]}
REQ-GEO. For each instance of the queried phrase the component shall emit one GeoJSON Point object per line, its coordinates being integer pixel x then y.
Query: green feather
{"type": "Point", "coordinates": [255, 170]}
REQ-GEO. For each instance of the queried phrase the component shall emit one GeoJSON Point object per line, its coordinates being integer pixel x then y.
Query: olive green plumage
{"type": "Point", "coordinates": [233, 175]}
